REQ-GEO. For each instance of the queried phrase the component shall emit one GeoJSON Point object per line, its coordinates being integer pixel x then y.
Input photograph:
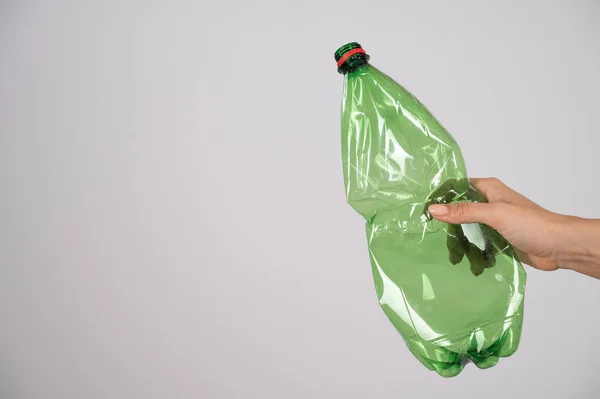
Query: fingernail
{"type": "Point", "coordinates": [438, 210]}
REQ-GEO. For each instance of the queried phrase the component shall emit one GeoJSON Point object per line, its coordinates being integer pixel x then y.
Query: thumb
{"type": "Point", "coordinates": [470, 212]}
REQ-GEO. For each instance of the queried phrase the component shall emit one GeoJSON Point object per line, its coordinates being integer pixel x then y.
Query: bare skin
{"type": "Point", "coordinates": [542, 239]}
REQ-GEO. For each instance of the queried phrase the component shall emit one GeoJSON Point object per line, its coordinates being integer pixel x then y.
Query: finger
{"type": "Point", "coordinates": [464, 212]}
{"type": "Point", "coordinates": [523, 257]}
{"type": "Point", "coordinates": [536, 261]}
{"type": "Point", "coordinates": [454, 242]}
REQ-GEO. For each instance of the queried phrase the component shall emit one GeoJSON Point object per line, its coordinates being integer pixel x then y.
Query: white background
{"type": "Point", "coordinates": [172, 215]}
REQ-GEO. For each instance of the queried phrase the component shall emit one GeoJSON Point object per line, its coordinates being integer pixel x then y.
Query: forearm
{"type": "Point", "coordinates": [580, 247]}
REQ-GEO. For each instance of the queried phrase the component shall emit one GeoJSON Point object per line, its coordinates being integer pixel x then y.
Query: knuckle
{"type": "Point", "coordinates": [496, 182]}
{"type": "Point", "coordinates": [463, 208]}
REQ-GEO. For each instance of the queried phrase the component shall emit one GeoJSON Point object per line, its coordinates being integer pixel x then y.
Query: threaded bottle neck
{"type": "Point", "coordinates": [350, 57]}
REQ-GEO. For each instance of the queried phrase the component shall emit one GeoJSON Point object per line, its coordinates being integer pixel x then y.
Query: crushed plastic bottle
{"type": "Point", "coordinates": [455, 293]}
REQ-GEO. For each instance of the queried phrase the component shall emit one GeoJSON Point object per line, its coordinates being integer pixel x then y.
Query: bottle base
{"type": "Point", "coordinates": [504, 347]}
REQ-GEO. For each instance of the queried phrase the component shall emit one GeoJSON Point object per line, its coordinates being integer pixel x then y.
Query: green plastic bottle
{"type": "Point", "coordinates": [455, 293]}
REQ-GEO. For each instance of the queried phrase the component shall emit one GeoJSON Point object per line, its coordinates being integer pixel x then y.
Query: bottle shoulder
{"type": "Point", "coordinates": [394, 150]}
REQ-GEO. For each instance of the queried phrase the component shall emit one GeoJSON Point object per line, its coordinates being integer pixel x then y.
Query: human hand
{"type": "Point", "coordinates": [541, 238]}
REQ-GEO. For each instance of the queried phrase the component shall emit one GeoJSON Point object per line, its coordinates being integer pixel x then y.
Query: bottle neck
{"type": "Point", "coordinates": [350, 58]}
{"type": "Point", "coordinates": [352, 65]}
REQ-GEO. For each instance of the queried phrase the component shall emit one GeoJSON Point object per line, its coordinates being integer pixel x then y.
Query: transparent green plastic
{"type": "Point", "coordinates": [455, 293]}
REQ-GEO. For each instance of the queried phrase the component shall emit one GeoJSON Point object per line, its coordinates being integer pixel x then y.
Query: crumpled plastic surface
{"type": "Point", "coordinates": [455, 293]}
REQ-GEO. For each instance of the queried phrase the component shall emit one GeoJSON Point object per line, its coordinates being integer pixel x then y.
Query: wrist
{"type": "Point", "coordinates": [578, 245]}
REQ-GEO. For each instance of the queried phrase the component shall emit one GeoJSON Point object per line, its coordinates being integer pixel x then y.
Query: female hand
{"type": "Point", "coordinates": [541, 238]}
